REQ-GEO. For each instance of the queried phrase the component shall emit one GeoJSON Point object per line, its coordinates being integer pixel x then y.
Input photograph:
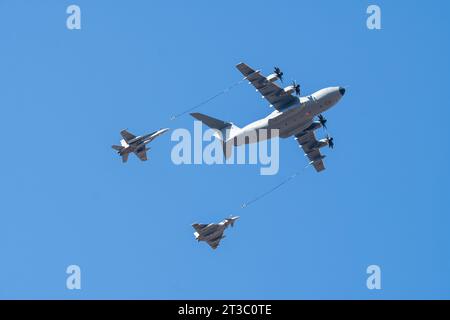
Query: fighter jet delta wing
{"type": "Point", "coordinates": [278, 97]}
{"type": "Point", "coordinates": [311, 147]}
{"type": "Point", "coordinates": [214, 243]}
{"type": "Point", "coordinates": [199, 227]}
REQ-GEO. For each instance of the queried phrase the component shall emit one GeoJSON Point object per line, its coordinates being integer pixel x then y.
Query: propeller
{"type": "Point", "coordinates": [279, 73]}
{"type": "Point", "coordinates": [330, 141]}
{"type": "Point", "coordinates": [322, 121]}
{"type": "Point", "coordinates": [296, 87]}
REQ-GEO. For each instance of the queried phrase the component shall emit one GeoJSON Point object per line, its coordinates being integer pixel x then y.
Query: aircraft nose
{"type": "Point", "coordinates": [342, 91]}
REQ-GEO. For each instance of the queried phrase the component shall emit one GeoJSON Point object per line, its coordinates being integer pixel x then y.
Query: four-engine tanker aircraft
{"type": "Point", "coordinates": [293, 116]}
{"type": "Point", "coordinates": [213, 233]}
{"type": "Point", "coordinates": [136, 144]}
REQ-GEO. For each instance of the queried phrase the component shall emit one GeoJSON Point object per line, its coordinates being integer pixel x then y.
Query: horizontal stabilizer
{"type": "Point", "coordinates": [118, 148]}
{"type": "Point", "coordinates": [210, 121]}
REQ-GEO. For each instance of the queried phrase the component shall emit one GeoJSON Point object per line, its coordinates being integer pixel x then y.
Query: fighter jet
{"type": "Point", "coordinates": [213, 233]}
{"type": "Point", "coordinates": [136, 144]}
{"type": "Point", "coordinates": [293, 116]}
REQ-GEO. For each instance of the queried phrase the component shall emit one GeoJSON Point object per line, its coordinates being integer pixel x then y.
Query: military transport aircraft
{"type": "Point", "coordinates": [213, 233]}
{"type": "Point", "coordinates": [137, 144]}
{"type": "Point", "coordinates": [293, 116]}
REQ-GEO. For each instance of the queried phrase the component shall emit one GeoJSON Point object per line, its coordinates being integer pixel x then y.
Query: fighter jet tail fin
{"type": "Point", "coordinates": [125, 157]}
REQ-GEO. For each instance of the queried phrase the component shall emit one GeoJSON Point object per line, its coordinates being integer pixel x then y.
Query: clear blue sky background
{"type": "Point", "coordinates": [66, 198]}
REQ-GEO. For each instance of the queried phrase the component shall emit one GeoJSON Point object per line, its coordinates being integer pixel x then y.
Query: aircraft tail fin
{"type": "Point", "coordinates": [227, 148]}
{"type": "Point", "coordinates": [125, 157]}
{"type": "Point", "coordinates": [227, 131]}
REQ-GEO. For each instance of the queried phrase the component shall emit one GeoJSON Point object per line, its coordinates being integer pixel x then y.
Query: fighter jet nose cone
{"type": "Point", "coordinates": [342, 91]}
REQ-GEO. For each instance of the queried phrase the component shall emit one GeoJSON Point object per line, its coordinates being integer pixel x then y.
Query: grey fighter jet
{"type": "Point", "coordinates": [294, 115]}
{"type": "Point", "coordinates": [213, 233]}
{"type": "Point", "coordinates": [136, 144]}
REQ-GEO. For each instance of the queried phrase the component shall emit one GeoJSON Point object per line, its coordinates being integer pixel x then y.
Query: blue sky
{"type": "Point", "coordinates": [67, 198]}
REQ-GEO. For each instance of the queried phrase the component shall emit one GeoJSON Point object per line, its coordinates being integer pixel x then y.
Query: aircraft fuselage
{"type": "Point", "coordinates": [292, 120]}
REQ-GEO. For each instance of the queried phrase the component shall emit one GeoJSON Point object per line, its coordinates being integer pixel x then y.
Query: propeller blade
{"type": "Point", "coordinates": [330, 141]}
{"type": "Point", "coordinates": [322, 121]}
{"type": "Point", "coordinates": [279, 73]}
{"type": "Point", "coordinates": [296, 87]}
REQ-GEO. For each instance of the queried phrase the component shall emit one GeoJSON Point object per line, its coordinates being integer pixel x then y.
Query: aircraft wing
{"type": "Point", "coordinates": [308, 141]}
{"type": "Point", "coordinates": [142, 155]}
{"type": "Point", "coordinates": [126, 135]}
{"type": "Point", "coordinates": [215, 242]}
{"type": "Point", "coordinates": [199, 227]}
{"type": "Point", "coordinates": [277, 97]}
